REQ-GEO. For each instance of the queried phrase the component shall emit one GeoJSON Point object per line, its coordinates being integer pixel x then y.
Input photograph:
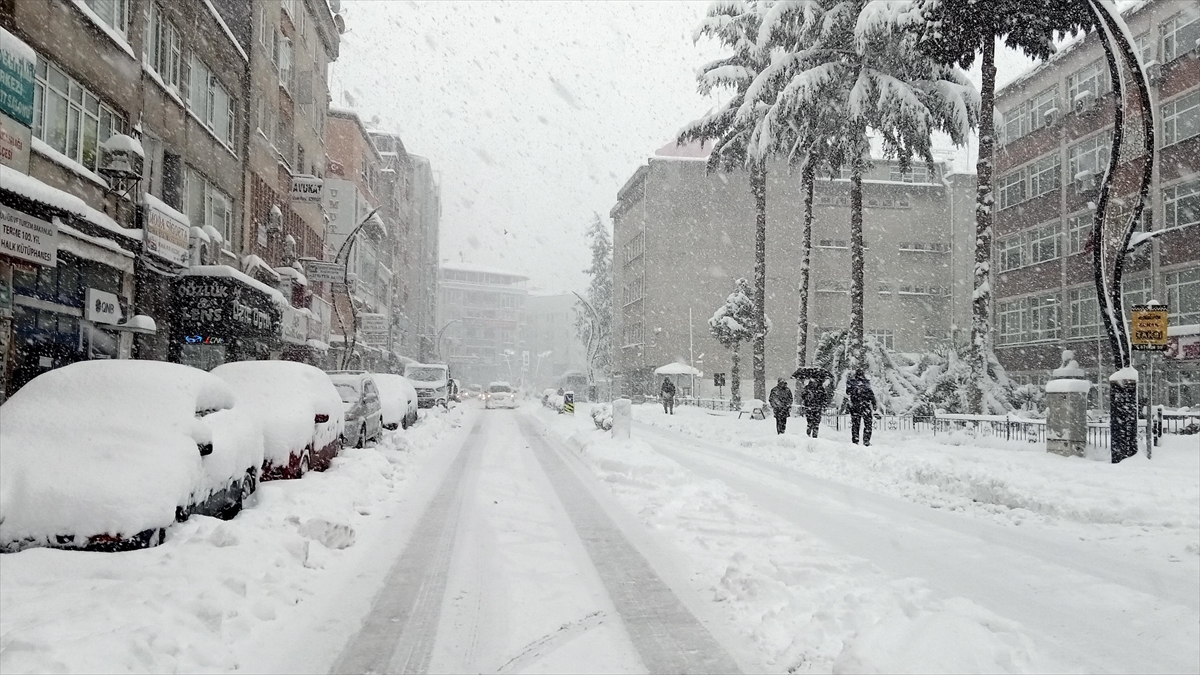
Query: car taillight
{"type": "Point", "coordinates": [321, 418]}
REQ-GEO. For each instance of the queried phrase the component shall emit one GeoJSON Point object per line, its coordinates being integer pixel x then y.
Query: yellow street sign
{"type": "Point", "coordinates": [1149, 328]}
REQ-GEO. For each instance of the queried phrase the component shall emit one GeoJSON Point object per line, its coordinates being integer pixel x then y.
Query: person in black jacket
{"type": "Point", "coordinates": [815, 398]}
{"type": "Point", "coordinates": [780, 401]}
{"type": "Point", "coordinates": [667, 393]}
{"type": "Point", "coordinates": [862, 406]}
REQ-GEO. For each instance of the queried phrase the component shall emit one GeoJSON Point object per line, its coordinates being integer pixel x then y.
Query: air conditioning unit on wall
{"type": "Point", "coordinates": [1086, 181]}
{"type": "Point", "coordinates": [1084, 101]}
{"type": "Point", "coordinates": [1050, 117]}
{"type": "Point", "coordinates": [1154, 72]}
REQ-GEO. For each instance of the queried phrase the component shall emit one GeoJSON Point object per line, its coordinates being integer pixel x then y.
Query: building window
{"type": "Point", "coordinates": [1010, 250]}
{"type": "Point", "coordinates": [210, 102]}
{"type": "Point", "coordinates": [1181, 118]}
{"type": "Point", "coordinates": [915, 174]}
{"type": "Point", "coordinates": [1009, 316]}
{"type": "Point", "coordinates": [162, 47]}
{"type": "Point", "coordinates": [1179, 34]}
{"type": "Point", "coordinates": [207, 204]}
{"type": "Point", "coordinates": [289, 6]}
{"type": "Point", "coordinates": [833, 286]}
{"type": "Point", "coordinates": [1044, 176]}
{"type": "Point", "coordinates": [1136, 292]}
{"type": "Point", "coordinates": [1044, 243]}
{"type": "Point", "coordinates": [1043, 318]}
{"type": "Point", "coordinates": [1083, 313]}
{"type": "Point", "coordinates": [1183, 389]}
{"type": "Point", "coordinates": [1079, 233]}
{"type": "Point", "coordinates": [883, 337]}
{"type": "Point", "coordinates": [1183, 296]}
{"type": "Point", "coordinates": [285, 63]}
{"type": "Point", "coordinates": [1012, 189]}
{"type": "Point", "coordinates": [1089, 156]}
{"type": "Point", "coordinates": [1092, 78]}
{"type": "Point", "coordinates": [1144, 46]}
{"type": "Point", "coordinates": [885, 289]}
{"type": "Point", "coordinates": [69, 118]}
{"type": "Point", "coordinates": [1181, 204]}
{"type": "Point", "coordinates": [832, 243]}
{"type": "Point", "coordinates": [1030, 115]}
{"type": "Point", "coordinates": [114, 13]}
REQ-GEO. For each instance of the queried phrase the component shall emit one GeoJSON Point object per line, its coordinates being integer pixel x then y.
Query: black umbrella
{"type": "Point", "coordinates": [811, 373]}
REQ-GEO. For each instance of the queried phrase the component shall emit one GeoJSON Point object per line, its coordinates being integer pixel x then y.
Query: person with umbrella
{"type": "Point", "coordinates": [781, 404]}
{"type": "Point", "coordinates": [668, 396]}
{"type": "Point", "coordinates": [862, 406]}
{"type": "Point", "coordinates": [815, 398]}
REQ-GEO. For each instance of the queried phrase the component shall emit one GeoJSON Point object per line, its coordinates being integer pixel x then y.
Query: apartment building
{"type": "Point", "coordinates": [1054, 135]}
{"type": "Point", "coordinates": [550, 330]}
{"type": "Point", "coordinates": [682, 235]}
{"type": "Point", "coordinates": [483, 314]}
{"type": "Point", "coordinates": [426, 210]}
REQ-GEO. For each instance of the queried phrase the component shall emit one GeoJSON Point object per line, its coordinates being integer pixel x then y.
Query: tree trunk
{"type": "Point", "coordinates": [807, 178]}
{"type": "Point", "coordinates": [735, 381]}
{"type": "Point", "coordinates": [857, 353]}
{"type": "Point", "coordinates": [981, 300]}
{"type": "Point", "coordinates": [758, 186]}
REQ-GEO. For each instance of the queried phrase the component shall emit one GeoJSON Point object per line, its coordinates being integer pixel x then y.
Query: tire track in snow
{"type": "Point", "coordinates": [666, 635]}
{"type": "Point", "coordinates": [398, 634]}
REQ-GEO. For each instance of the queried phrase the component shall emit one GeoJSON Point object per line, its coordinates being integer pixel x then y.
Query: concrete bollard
{"type": "Point", "coordinates": [1066, 417]}
{"type": "Point", "coordinates": [622, 411]}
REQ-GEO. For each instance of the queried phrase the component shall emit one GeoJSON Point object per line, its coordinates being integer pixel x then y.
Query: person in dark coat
{"type": "Point", "coordinates": [815, 398]}
{"type": "Point", "coordinates": [780, 401]}
{"type": "Point", "coordinates": [862, 406]}
{"type": "Point", "coordinates": [667, 393]}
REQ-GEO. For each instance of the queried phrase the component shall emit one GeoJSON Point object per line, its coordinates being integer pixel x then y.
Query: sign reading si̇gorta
{"type": "Point", "coordinates": [28, 238]}
{"type": "Point", "coordinates": [167, 232]}
{"type": "Point", "coordinates": [1149, 328]}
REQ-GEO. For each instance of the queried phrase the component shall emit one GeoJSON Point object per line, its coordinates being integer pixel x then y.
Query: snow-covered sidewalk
{"type": "Point", "coordinates": [914, 555]}
{"type": "Point", "coordinates": [224, 595]}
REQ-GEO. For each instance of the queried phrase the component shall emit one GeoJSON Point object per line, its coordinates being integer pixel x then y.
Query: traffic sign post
{"type": "Point", "coordinates": [719, 383]}
{"type": "Point", "coordinates": [1149, 334]}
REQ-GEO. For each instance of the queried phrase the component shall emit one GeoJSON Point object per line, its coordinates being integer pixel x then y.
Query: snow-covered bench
{"type": "Point", "coordinates": [755, 408]}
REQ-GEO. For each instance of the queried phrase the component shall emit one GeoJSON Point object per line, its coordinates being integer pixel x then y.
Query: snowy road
{"type": "Point", "coordinates": [516, 567]}
{"type": "Point", "coordinates": [1088, 606]}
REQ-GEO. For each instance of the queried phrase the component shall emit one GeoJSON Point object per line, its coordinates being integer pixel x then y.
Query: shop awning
{"type": "Point", "coordinates": [35, 190]}
{"type": "Point", "coordinates": [96, 249]}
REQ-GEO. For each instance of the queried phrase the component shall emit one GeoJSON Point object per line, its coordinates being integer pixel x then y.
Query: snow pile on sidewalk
{"type": "Point", "coordinates": [1007, 480]}
{"type": "Point", "coordinates": [213, 595]}
{"type": "Point", "coordinates": [801, 605]}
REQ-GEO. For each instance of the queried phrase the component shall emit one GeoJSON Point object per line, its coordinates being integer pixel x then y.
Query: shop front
{"type": "Point", "coordinates": [222, 315]}
{"type": "Point", "coordinates": [165, 256]}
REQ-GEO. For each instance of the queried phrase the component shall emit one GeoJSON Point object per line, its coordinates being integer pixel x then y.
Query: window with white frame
{"type": "Point", "coordinates": [1016, 122]}
{"type": "Point", "coordinates": [114, 13]}
{"type": "Point", "coordinates": [833, 286]}
{"type": "Point", "coordinates": [1010, 250]}
{"type": "Point", "coordinates": [68, 117]}
{"type": "Point", "coordinates": [885, 288]}
{"type": "Point", "coordinates": [285, 63]}
{"type": "Point", "coordinates": [1079, 232]}
{"type": "Point", "coordinates": [1181, 118]}
{"type": "Point", "coordinates": [289, 6]}
{"type": "Point", "coordinates": [1042, 317]}
{"type": "Point", "coordinates": [1089, 155]}
{"type": "Point", "coordinates": [915, 174]}
{"type": "Point", "coordinates": [1044, 243]}
{"type": "Point", "coordinates": [832, 243]}
{"type": "Point", "coordinates": [1179, 33]}
{"type": "Point", "coordinates": [1044, 176]}
{"type": "Point", "coordinates": [1083, 313]}
{"type": "Point", "coordinates": [1183, 296]}
{"type": "Point", "coordinates": [1092, 78]}
{"type": "Point", "coordinates": [883, 337]}
{"type": "Point", "coordinates": [1010, 317]}
{"type": "Point", "coordinates": [1040, 105]}
{"type": "Point", "coordinates": [1143, 44]}
{"type": "Point", "coordinates": [1030, 115]}
{"type": "Point", "coordinates": [1181, 204]}
{"type": "Point", "coordinates": [162, 47]}
{"type": "Point", "coordinates": [206, 204]}
{"type": "Point", "coordinates": [1012, 189]}
{"type": "Point", "coordinates": [1183, 389]}
{"type": "Point", "coordinates": [1136, 291]}
{"type": "Point", "coordinates": [210, 102]}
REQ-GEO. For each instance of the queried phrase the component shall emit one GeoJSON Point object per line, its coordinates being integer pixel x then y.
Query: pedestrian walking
{"type": "Point", "coordinates": [781, 404]}
{"type": "Point", "coordinates": [667, 393]}
{"type": "Point", "coordinates": [862, 406]}
{"type": "Point", "coordinates": [814, 397]}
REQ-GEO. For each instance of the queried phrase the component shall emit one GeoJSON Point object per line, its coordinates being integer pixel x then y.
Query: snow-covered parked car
{"type": "Point", "coordinates": [360, 399]}
{"type": "Point", "coordinates": [398, 399]}
{"type": "Point", "coordinates": [299, 409]}
{"type": "Point", "coordinates": [105, 455]}
{"type": "Point", "coordinates": [500, 395]}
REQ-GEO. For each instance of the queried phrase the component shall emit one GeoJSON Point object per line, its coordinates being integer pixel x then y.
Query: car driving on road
{"type": "Point", "coordinates": [105, 455]}
{"type": "Point", "coordinates": [500, 395]}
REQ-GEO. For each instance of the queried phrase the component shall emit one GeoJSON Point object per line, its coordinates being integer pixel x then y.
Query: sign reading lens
{"type": "Point", "coordinates": [1149, 328]}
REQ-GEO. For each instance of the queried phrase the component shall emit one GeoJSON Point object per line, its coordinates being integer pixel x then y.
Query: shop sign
{"type": "Point", "coordinates": [28, 238]}
{"type": "Point", "coordinates": [1149, 328]}
{"type": "Point", "coordinates": [17, 61]}
{"type": "Point", "coordinates": [14, 144]}
{"type": "Point", "coordinates": [225, 307]}
{"type": "Point", "coordinates": [5, 306]}
{"type": "Point", "coordinates": [294, 326]}
{"type": "Point", "coordinates": [317, 271]}
{"type": "Point", "coordinates": [306, 189]}
{"type": "Point", "coordinates": [373, 323]}
{"type": "Point", "coordinates": [166, 235]}
{"type": "Point", "coordinates": [1183, 348]}
{"type": "Point", "coordinates": [101, 307]}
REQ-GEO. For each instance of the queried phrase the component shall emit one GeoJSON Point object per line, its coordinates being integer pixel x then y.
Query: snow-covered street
{"type": "Point", "coordinates": [524, 541]}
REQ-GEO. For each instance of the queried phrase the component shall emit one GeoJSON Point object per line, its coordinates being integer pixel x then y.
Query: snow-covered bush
{"type": "Point", "coordinates": [602, 416]}
{"type": "Point", "coordinates": [896, 386]}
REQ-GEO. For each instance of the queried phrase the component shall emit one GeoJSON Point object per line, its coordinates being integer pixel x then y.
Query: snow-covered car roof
{"type": "Point", "coordinates": [286, 397]}
{"type": "Point", "coordinates": [397, 396]}
{"type": "Point", "coordinates": [110, 447]}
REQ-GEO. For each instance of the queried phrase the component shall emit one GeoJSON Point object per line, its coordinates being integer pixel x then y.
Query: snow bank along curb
{"type": "Point", "coordinates": [797, 603]}
{"type": "Point", "coordinates": [206, 599]}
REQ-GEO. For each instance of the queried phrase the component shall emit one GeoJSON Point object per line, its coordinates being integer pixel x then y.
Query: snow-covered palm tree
{"type": "Point", "coordinates": [735, 24]}
{"type": "Point", "coordinates": [856, 65]}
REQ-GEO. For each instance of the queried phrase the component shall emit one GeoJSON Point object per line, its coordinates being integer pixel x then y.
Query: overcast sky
{"type": "Point", "coordinates": [534, 114]}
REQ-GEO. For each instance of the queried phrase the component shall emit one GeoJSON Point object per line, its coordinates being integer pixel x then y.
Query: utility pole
{"type": "Point", "coordinates": [691, 352]}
